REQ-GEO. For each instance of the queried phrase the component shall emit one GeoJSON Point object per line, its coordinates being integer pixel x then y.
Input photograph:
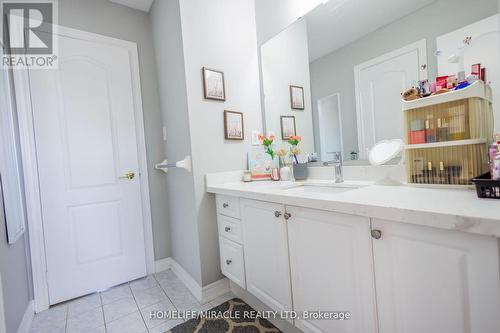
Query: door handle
{"type": "Point", "coordinates": [129, 175]}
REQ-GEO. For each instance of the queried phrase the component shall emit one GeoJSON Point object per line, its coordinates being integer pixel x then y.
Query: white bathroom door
{"type": "Point", "coordinates": [379, 84]}
{"type": "Point", "coordinates": [86, 143]}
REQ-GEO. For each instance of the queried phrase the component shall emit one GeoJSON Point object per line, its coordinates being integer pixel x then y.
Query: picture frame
{"type": "Point", "coordinates": [213, 84]}
{"type": "Point", "coordinates": [297, 98]}
{"type": "Point", "coordinates": [233, 125]}
{"type": "Point", "coordinates": [288, 127]}
{"type": "Point", "coordinates": [260, 164]}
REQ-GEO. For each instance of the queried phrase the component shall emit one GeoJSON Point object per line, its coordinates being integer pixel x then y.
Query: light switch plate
{"type": "Point", "coordinates": [164, 133]}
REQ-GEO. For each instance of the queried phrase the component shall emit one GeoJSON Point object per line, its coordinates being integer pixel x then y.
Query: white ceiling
{"type": "Point", "coordinates": [143, 5]}
{"type": "Point", "coordinates": [338, 23]}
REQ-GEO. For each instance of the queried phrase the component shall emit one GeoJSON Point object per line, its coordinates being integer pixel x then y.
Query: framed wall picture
{"type": "Point", "coordinates": [233, 125]}
{"type": "Point", "coordinates": [213, 84]}
{"type": "Point", "coordinates": [297, 97]}
{"type": "Point", "coordinates": [287, 127]}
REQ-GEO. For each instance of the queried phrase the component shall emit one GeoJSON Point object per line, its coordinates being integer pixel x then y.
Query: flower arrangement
{"type": "Point", "coordinates": [267, 142]}
{"type": "Point", "coordinates": [294, 151]}
{"type": "Point", "coordinates": [294, 141]}
{"type": "Point", "coordinates": [282, 152]}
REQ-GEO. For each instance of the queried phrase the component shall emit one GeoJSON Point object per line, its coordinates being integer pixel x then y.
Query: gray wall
{"type": "Point", "coordinates": [16, 276]}
{"type": "Point", "coordinates": [109, 19]}
{"type": "Point", "coordinates": [195, 125]}
{"type": "Point", "coordinates": [334, 72]}
{"type": "Point", "coordinates": [218, 34]}
{"type": "Point", "coordinates": [180, 200]}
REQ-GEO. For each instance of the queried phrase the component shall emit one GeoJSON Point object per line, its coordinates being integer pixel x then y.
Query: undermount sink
{"type": "Point", "coordinates": [320, 188]}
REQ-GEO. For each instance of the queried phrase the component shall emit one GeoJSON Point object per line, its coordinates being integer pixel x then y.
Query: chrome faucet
{"type": "Point", "coordinates": [337, 163]}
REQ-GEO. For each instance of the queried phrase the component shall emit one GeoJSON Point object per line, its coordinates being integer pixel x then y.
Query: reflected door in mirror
{"type": "Point", "coordinates": [379, 83]}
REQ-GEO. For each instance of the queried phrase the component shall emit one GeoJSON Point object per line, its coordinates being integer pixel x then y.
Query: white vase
{"type": "Point", "coordinates": [286, 173]}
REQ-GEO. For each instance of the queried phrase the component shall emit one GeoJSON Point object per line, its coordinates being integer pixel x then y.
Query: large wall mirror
{"type": "Point", "coordinates": [339, 71]}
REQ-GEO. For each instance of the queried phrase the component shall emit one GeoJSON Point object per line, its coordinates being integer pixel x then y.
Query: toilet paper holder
{"type": "Point", "coordinates": [182, 164]}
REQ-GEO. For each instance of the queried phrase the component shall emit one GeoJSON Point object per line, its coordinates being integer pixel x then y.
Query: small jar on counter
{"type": "Point", "coordinates": [247, 176]}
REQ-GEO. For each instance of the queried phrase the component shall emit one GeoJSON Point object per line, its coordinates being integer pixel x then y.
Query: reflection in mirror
{"type": "Point", "coordinates": [352, 59]}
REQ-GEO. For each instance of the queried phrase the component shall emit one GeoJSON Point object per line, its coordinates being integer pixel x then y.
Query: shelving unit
{"type": "Point", "coordinates": [447, 143]}
{"type": "Point", "coordinates": [447, 136]}
{"type": "Point", "coordinates": [476, 90]}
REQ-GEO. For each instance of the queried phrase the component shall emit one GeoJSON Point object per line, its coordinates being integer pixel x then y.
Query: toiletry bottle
{"type": "Point", "coordinates": [457, 128]}
{"type": "Point", "coordinates": [442, 174]}
{"type": "Point", "coordinates": [429, 174]}
{"type": "Point", "coordinates": [493, 150]}
{"type": "Point", "coordinates": [496, 166]}
{"type": "Point", "coordinates": [454, 175]}
{"type": "Point", "coordinates": [492, 153]}
{"type": "Point", "coordinates": [417, 131]}
{"type": "Point", "coordinates": [442, 130]}
{"type": "Point", "coordinates": [446, 129]}
{"type": "Point", "coordinates": [275, 174]}
{"type": "Point", "coordinates": [430, 129]}
{"type": "Point", "coordinates": [418, 170]}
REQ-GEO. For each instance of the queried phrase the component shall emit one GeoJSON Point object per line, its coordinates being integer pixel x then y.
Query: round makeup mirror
{"type": "Point", "coordinates": [385, 150]}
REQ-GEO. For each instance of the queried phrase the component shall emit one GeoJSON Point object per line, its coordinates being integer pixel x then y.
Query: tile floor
{"type": "Point", "coordinates": [124, 309]}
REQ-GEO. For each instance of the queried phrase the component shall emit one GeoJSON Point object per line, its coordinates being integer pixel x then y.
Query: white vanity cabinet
{"type": "Point", "coordinates": [392, 277]}
{"type": "Point", "coordinates": [331, 268]}
{"type": "Point", "coordinates": [266, 253]}
{"type": "Point", "coordinates": [435, 281]}
{"type": "Point", "coordinates": [230, 239]}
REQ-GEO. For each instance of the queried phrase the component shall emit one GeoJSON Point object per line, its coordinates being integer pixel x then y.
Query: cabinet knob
{"type": "Point", "coordinates": [225, 205]}
{"type": "Point", "coordinates": [228, 229]}
{"type": "Point", "coordinates": [377, 234]}
{"type": "Point", "coordinates": [277, 213]}
{"type": "Point", "coordinates": [229, 262]}
{"type": "Point", "coordinates": [287, 216]}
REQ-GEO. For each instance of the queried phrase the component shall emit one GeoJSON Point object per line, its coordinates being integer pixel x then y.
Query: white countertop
{"type": "Point", "coordinates": [448, 209]}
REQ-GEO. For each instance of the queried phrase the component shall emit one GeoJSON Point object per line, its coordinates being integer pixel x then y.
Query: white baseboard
{"type": "Point", "coordinates": [214, 290]}
{"type": "Point", "coordinates": [163, 264]}
{"type": "Point", "coordinates": [27, 320]}
{"type": "Point", "coordinates": [202, 294]}
{"type": "Point", "coordinates": [187, 279]}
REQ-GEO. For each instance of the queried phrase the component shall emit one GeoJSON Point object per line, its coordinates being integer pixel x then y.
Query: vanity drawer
{"type": "Point", "coordinates": [231, 261]}
{"type": "Point", "coordinates": [230, 228]}
{"type": "Point", "coordinates": [229, 206]}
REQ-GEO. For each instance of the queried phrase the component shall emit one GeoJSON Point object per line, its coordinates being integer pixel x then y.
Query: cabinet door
{"type": "Point", "coordinates": [435, 281]}
{"type": "Point", "coordinates": [331, 265]}
{"type": "Point", "coordinates": [266, 253]}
